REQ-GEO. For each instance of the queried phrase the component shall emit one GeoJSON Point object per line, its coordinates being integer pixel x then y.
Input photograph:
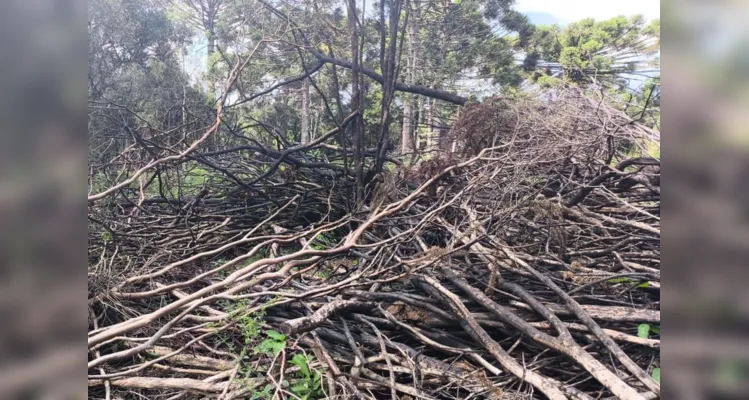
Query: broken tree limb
{"type": "Point", "coordinates": [604, 313]}
{"type": "Point", "coordinates": [143, 382]}
{"type": "Point", "coordinates": [563, 344]}
{"type": "Point", "coordinates": [581, 314]}
{"type": "Point", "coordinates": [547, 386]}
{"type": "Point", "coordinates": [244, 260]}
{"type": "Point", "coordinates": [319, 317]}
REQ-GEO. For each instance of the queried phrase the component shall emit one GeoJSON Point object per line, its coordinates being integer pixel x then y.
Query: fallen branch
{"type": "Point", "coordinates": [306, 324]}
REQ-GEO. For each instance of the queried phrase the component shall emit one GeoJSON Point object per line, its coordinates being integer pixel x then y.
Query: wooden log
{"type": "Point", "coordinates": [310, 322]}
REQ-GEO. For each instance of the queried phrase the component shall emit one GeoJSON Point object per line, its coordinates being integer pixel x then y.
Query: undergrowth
{"type": "Point", "coordinates": [259, 347]}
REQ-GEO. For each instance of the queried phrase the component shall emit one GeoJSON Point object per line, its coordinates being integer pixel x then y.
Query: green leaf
{"type": "Point", "coordinates": [264, 394]}
{"type": "Point", "coordinates": [643, 331]}
{"type": "Point", "coordinates": [275, 335]}
{"type": "Point", "coordinates": [301, 361]}
{"type": "Point", "coordinates": [299, 388]}
{"type": "Point", "coordinates": [277, 347]}
{"type": "Point", "coordinates": [656, 330]}
{"type": "Point", "coordinates": [270, 346]}
{"type": "Point", "coordinates": [657, 374]}
{"type": "Point", "coordinates": [623, 279]}
{"type": "Point", "coordinates": [297, 359]}
{"type": "Point", "coordinates": [247, 373]}
{"type": "Point", "coordinates": [643, 285]}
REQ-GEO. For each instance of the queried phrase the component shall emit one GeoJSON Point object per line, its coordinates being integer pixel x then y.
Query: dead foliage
{"type": "Point", "coordinates": [518, 267]}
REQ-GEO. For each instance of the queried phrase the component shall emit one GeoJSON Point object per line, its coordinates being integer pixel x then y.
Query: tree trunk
{"type": "Point", "coordinates": [339, 106]}
{"type": "Point", "coordinates": [305, 112]}
{"type": "Point", "coordinates": [356, 104]}
{"type": "Point", "coordinates": [435, 114]}
{"type": "Point", "coordinates": [420, 121]}
{"type": "Point", "coordinates": [213, 86]}
{"type": "Point", "coordinates": [210, 14]}
{"type": "Point", "coordinates": [390, 76]}
{"type": "Point", "coordinates": [211, 45]}
{"type": "Point", "coordinates": [437, 126]}
{"type": "Point", "coordinates": [454, 145]}
{"type": "Point", "coordinates": [434, 127]}
{"type": "Point", "coordinates": [407, 140]}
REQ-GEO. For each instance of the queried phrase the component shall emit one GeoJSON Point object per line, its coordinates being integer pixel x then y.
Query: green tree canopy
{"type": "Point", "coordinates": [594, 52]}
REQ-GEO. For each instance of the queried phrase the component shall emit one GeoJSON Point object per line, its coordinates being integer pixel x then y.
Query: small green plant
{"type": "Point", "coordinates": [624, 279]}
{"type": "Point", "coordinates": [656, 374]}
{"type": "Point", "coordinates": [263, 394]}
{"type": "Point", "coordinates": [249, 323]}
{"type": "Point", "coordinates": [273, 345]}
{"type": "Point", "coordinates": [644, 330]}
{"type": "Point", "coordinates": [310, 382]}
{"type": "Point", "coordinates": [322, 241]}
{"type": "Point", "coordinates": [226, 339]}
{"type": "Point", "coordinates": [244, 375]}
{"type": "Point", "coordinates": [621, 280]}
{"type": "Point", "coordinates": [323, 273]}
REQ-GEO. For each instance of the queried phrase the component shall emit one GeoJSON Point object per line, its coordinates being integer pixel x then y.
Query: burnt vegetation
{"type": "Point", "coordinates": [517, 257]}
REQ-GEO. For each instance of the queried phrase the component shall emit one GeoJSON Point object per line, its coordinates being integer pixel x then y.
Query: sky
{"type": "Point", "coordinates": [573, 10]}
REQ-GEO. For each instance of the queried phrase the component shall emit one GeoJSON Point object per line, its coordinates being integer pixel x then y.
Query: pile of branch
{"type": "Point", "coordinates": [521, 270]}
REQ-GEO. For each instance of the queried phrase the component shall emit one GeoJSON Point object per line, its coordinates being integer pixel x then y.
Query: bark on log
{"type": "Point", "coordinates": [142, 382]}
{"type": "Point", "coordinates": [308, 323]}
{"type": "Point", "coordinates": [604, 313]}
